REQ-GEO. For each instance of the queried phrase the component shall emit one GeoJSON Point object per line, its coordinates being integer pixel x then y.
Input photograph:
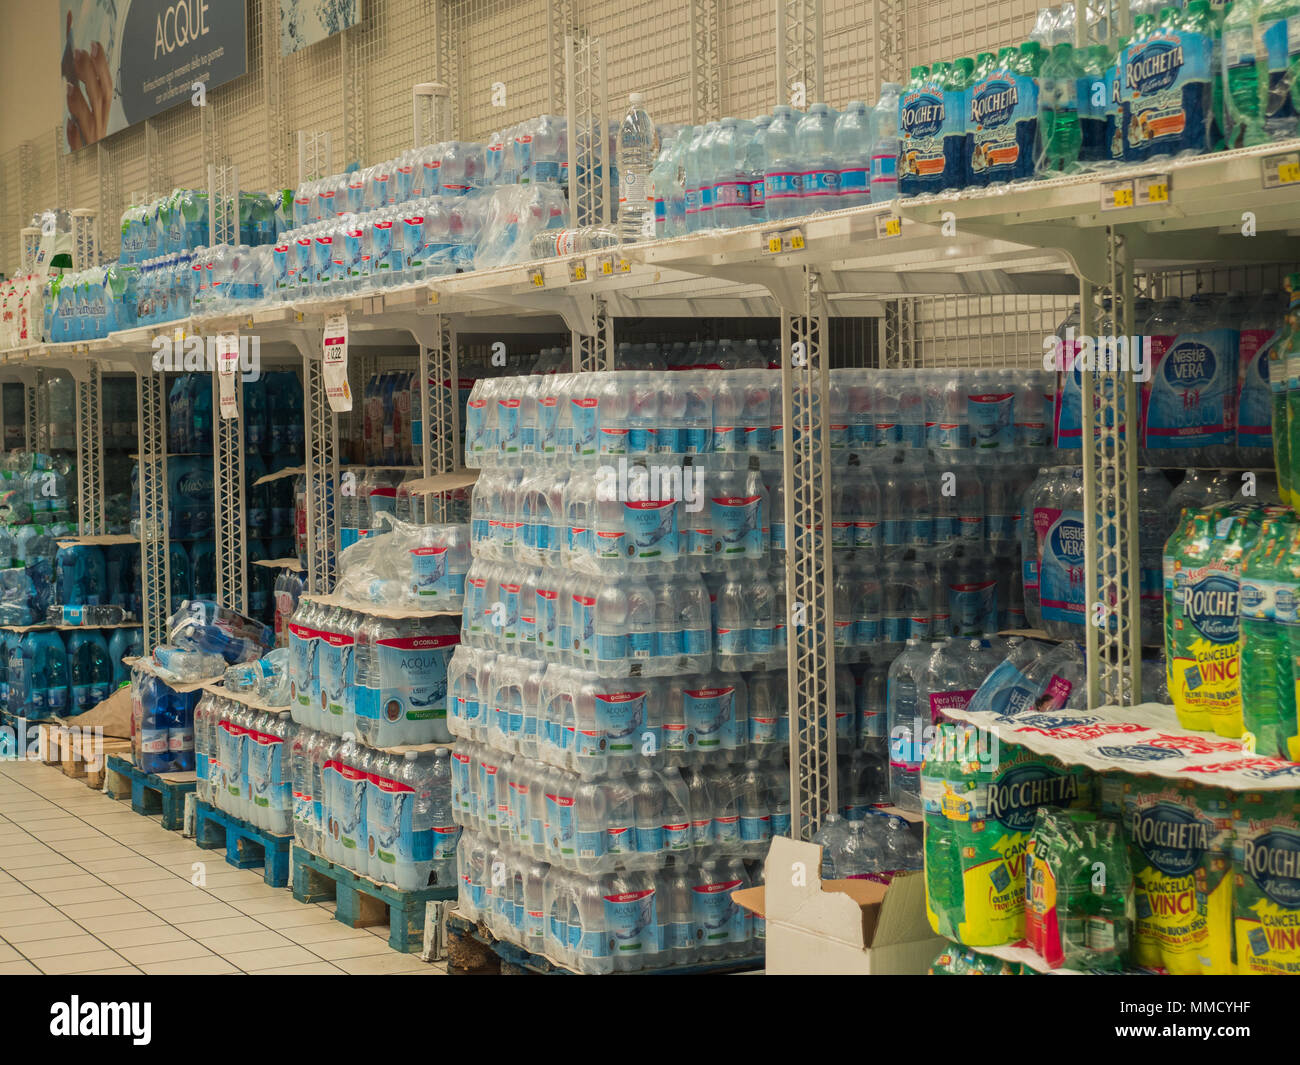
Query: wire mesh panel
{"type": "Point", "coordinates": [946, 29]}
{"type": "Point", "coordinates": [647, 50]}
{"type": "Point", "coordinates": [996, 332]}
{"type": "Point", "coordinates": [503, 45]}
{"type": "Point", "coordinates": [747, 44]}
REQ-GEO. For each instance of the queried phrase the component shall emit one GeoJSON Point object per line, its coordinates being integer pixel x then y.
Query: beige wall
{"type": "Point", "coordinates": [30, 105]}
{"type": "Point", "coordinates": [368, 73]}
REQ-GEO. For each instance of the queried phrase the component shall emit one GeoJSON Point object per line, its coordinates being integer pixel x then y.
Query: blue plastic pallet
{"type": "Point", "coordinates": [360, 902]}
{"type": "Point", "coordinates": [246, 845]}
{"type": "Point", "coordinates": [150, 793]}
{"type": "Point", "coordinates": [514, 955]}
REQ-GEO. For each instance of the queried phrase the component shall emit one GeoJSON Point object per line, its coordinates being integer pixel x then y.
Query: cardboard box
{"type": "Point", "coordinates": [838, 927]}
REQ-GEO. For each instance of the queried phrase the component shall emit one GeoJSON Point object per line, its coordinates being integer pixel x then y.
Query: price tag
{"type": "Point", "coordinates": [433, 295]}
{"type": "Point", "coordinates": [783, 240]}
{"type": "Point", "coordinates": [227, 366]}
{"type": "Point", "coordinates": [1152, 189]}
{"type": "Point", "coordinates": [1116, 195]}
{"type": "Point", "coordinates": [1281, 170]}
{"type": "Point", "coordinates": [888, 225]}
{"type": "Point", "coordinates": [337, 390]}
{"type": "Point", "coordinates": [605, 264]}
{"type": "Point", "coordinates": [578, 271]}
{"type": "Point", "coordinates": [536, 277]}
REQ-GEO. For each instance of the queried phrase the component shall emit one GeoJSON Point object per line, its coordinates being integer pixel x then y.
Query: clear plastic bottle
{"type": "Point", "coordinates": [638, 145]}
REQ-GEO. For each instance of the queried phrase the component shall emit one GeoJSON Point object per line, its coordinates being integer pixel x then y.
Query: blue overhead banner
{"type": "Point", "coordinates": [304, 22]}
{"type": "Point", "coordinates": [127, 60]}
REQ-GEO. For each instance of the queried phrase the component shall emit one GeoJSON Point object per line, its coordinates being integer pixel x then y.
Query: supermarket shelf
{"type": "Point", "coordinates": [279, 563]}
{"type": "Point", "coordinates": [1144, 740]}
{"type": "Point", "coordinates": [1034, 237]}
{"type": "Point", "coordinates": [376, 610]}
{"type": "Point", "coordinates": [100, 540]}
{"type": "Point", "coordinates": [69, 628]}
{"type": "Point", "coordinates": [217, 687]}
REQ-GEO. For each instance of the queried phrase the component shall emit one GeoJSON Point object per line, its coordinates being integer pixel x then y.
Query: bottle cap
{"type": "Point", "coordinates": [635, 99]}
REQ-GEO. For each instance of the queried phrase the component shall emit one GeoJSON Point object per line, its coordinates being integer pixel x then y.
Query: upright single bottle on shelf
{"type": "Point", "coordinates": [885, 144]}
{"type": "Point", "coordinates": [638, 144]}
{"type": "Point", "coordinates": [1060, 135]}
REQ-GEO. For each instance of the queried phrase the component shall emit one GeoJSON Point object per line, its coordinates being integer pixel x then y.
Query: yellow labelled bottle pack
{"type": "Point", "coordinates": [1180, 846]}
{"type": "Point", "coordinates": [1266, 883]}
{"type": "Point", "coordinates": [1205, 647]}
{"type": "Point", "coordinates": [986, 814]}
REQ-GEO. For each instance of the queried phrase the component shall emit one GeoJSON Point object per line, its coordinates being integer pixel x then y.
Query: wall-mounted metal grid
{"type": "Point", "coordinates": [985, 331]}
{"type": "Point", "coordinates": [356, 85]}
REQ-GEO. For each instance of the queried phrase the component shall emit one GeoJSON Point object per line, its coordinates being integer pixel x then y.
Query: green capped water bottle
{"type": "Point", "coordinates": [1290, 352]}
{"type": "Point", "coordinates": [1265, 651]}
{"type": "Point", "coordinates": [940, 790]}
{"type": "Point", "coordinates": [1287, 612]}
{"type": "Point", "coordinates": [1240, 69]}
{"type": "Point", "coordinates": [1060, 135]}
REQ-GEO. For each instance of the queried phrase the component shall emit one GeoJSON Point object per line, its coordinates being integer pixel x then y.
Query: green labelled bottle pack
{"type": "Point", "coordinates": [1078, 891]}
{"type": "Point", "coordinates": [1269, 596]}
{"type": "Point", "coordinates": [943, 788]}
{"type": "Point", "coordinates": [1266, 883]}
{"type": "Point", "coordinates": [1284, 380]}
{"type": "Point", "coordinates": [1179, 836]}
{"type": "Point", "coordinates": [989, 808]}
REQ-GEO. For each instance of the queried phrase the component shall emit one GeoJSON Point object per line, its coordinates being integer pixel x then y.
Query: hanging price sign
{"type": "Point", "coordinates": [227, 367]}
{"type": "Point", "coordinates": [337, 390]}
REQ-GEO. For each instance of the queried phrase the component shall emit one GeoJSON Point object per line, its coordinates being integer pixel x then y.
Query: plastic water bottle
{"type": "Point", "coordinates": [782, 180]}
{"type": "Point", "coordinates": [638, 145]}
{"type": "Point", "coordinates": [907, 720]}
{"type": "Point", "coordinates": [1059, 131]}
{"type": "Point", "coordinates": [819, 181]}
{"type": "Point", "coordinates": [853, 153]}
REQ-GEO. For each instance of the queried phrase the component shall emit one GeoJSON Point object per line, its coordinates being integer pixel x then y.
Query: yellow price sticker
{"type": "Point", "coordinates": [894, 227]}
{"type": "Point", "coordinates": [1158, 193]}
{"type": "Point", "coordinates": [774, 243]}
{"type": "Point", "coordinates": [796, 241]}
{"type": "Point", "coordinates": [624, 267]}
{"type": "Point", "coordinates": [538, 279]}
{"type": "Point", "coordinates": [1289, 173]}
{"type": "Point", "coordinates": [607, 266]}
{"type": "Point", "coordinates": [1123, 197]}
{"type": "Point", "coordinates": [578, 271]}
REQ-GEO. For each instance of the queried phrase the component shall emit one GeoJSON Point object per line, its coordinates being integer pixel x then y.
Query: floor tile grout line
{"type": "Point", "coordinates": [138, 854]}
{"type": "Point", "coordinates": [91, 872]}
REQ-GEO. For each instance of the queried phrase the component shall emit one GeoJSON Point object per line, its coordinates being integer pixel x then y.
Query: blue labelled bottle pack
{"type": "Point", "coordinates": [334, 669]}
{"type": "Point", "coordinates": [1167, 91]}
{"type": "Point", "coordinates": [1002, 124]}
{"type": "Point", "coordinates": [620, 721]}
{"type": "Point", "coordinates": [584, 412]}
{"type": "Point", "coordinates": [629, 926]}
{"type": "Point", "coordinates": [304, 675]}
{"type": "Point", "coordinates": [923, 166]}
{"type": "Point", "coordinates": [737, 523]}
{"type": "Point", "coordinates": [973, 606]}
{"type": "Point", "coordinates": [412, 679]}
{"type": "Point", "coordinates": [431, 579]}
{"type": "Point", "coordinates": [710, 715]}
{"type": "Point", "coordinates": [1280, 38]}
{"type": "Point", "coordinates": [990, 415]}
{"type": "Point", "coordinates": [390, 823]}
{"type": "Point", "coordinates": [651, 530]}
{"type": "Point", "coordinates": [1255, 397]}
{"type": "Point", "coordinates": [264, 753]}
{"type": "Point", "coordinates": [1188, 402]}
{"type": "Point", "coordinates": [1061, 565]}
{"type": "Point", "coordinates": [712, 910]}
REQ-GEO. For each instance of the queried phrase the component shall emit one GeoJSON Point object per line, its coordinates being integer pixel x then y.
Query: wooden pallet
{"type": "Point", "coordinates": [360, 902]}
{"type": "Point", "coordinates": [514, 960]}
{"type": "Point", "coordinates": [150, 793]}
{"type": "Point", "coordinates": [75, 764]}
{"type": "Point", "coordinates": [246, 845]}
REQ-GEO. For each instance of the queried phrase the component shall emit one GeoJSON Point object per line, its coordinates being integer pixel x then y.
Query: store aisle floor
{"type": "Point", "coordinates": [87, 886]}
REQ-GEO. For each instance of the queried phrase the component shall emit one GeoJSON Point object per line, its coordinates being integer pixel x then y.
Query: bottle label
{"type": "Point", "coordinates": [1003, 120]}
{"type": "Point", "coordinates": [1189, 399]}
{"type": "Point", "coordinates": [921, 122]}
{"type": "Point", "coordinates": [1167, 80]}
{"type": "Point", "coordinates": [1061, 569]}
{"type": "Point", "coordinates": [652, 530]}
{"type": "Point", "coordinates": [710, 715]}
{"type": "Point", "coordinates": [781, 185]}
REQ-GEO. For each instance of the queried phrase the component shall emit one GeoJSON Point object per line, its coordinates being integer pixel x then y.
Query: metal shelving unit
{"type": "Point", "coordinates": [963, 259]}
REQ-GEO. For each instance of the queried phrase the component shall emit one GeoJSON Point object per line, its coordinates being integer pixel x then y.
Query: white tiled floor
{"type": "Point", "coordinates": [87, 886]}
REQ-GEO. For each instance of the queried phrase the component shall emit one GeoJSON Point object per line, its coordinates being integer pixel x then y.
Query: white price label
{"type": "Point", "coordinates": [578, 271]}
{"type": "Point", "coordinates": [1116, 195]}
{"type": "Point", "coordinates": [1281, 170]}
{"type": "Point", "coordinates": [1151, 189]}
{"type": "Point", "coordinates": [227, 366]}
{"type": "Point", "coordinates": [782, 240]}
{"type": "Point", "coordinates": [888, 226]}
{"type": "Point", "coordinates": [337, 390]}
